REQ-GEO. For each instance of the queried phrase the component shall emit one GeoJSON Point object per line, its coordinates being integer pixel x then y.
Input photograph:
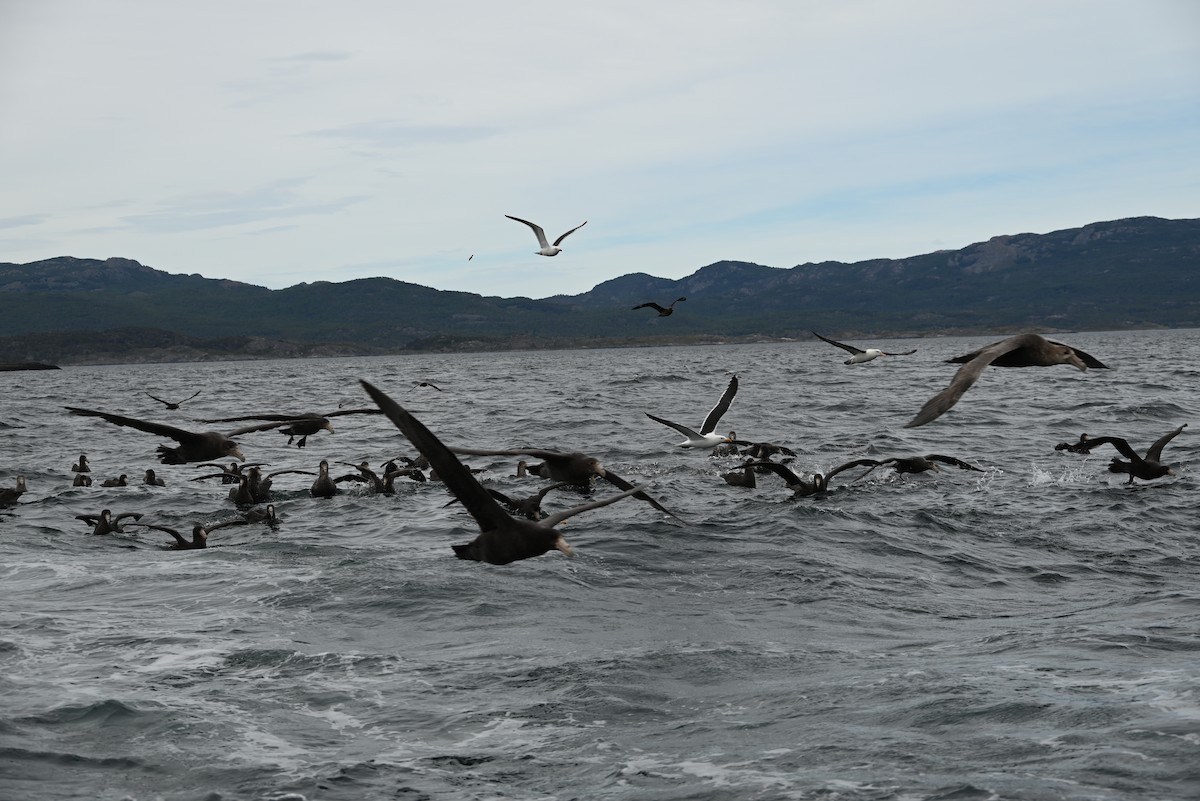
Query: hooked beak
{"type": "Point", "coordinates": [1078, 362]}
{"type": "Point", "coordinates": [562, 545]}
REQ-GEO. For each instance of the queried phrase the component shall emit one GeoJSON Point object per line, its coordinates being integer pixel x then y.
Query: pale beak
{"type": "Point", "coordinates": [563, 546]}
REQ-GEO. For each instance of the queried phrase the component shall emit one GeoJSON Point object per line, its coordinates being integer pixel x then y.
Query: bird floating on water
{"type": "Point", "coordinates": [546, 248]}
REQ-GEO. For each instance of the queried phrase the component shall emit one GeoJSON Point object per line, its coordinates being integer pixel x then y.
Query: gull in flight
{"type": "Point", "coordinates": [546, 248]}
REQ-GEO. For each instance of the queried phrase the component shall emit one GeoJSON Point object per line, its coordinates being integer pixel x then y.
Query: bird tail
{"type": "Point", "coordinates": [466, 551]}
{"type": "Point", "coordinates": [1118, 466]}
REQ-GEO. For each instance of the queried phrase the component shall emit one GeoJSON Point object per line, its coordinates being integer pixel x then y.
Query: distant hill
{"type": "Point", "coordinates": [1133, 273]}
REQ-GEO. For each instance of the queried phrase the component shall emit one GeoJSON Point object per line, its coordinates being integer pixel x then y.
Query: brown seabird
{"type": "Point", "coordinates": [1147, 468]}
{"type": "Point", "coordinates": [193, 446]}
{"type": "Point", "coordinates": [663, 311]}
{"type": "Point", "coordinates": [1022, 350]}
{"type": "Point", "coordinates": [503, 538]}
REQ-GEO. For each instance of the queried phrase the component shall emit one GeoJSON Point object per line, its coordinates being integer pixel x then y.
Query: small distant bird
{"type": "Point", "coordinates": [705, 438]}
{"type": "Point", "coordinates": [82, 465]}
{"type": "Point", "coordinates": [663, 311]}
{"type": "Point", "coordinates": [122, 481]}
{"type": "Point", "coordinates": [1081, 446]}
{"type": "Point", "coordinates": [172, 404]}
{"type": "Point", "coordinates": [1022, 350]}
{"type": "Point", "coordinates": [1147, 468]}
{"type": "Point", "coordinates": [152, 480]}
{"type": "Point", "coordinates": [470, 257]}
{"type": "Point", "coordinates": [859, 355]}
{"type": "Point", "coordinates": [819, 483]}
{"type": "Point", "coordinates": [546, 248]}
{"type": "Point", "coordinates": [426, 384]}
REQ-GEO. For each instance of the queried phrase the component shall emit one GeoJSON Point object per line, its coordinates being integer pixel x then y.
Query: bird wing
{"type": "Point", "coordinates": [682, 429]}
{"type": "Point", "coordinates": [537, 229]}
{"type": "Point", "coordinates": [351, 411]}
{"type": "Point", "coordinates": [194, 394]}
{"type": "Point", "coordinates": [1120, 443]}
{"type": "Point", "coordinates": [160, 400]}
{"type": "Point", "coordinates": [781, 470]}
{"type": "Point", "coordinates": [852, 464]}
{"type": "Point", "coordinates": [835, 343]}
{"type": "Point", "coordinates": [966, 376]}
{"type": "Point", "coordinates": [237, 521]}
{"type": "Point", "coordinates": [550, 521]}
{"type": "Point", "coordinates": [258, 426]}
{"type": "Point", "coordinates": [899, 353]}
{"type": "Point", "coordinates": [959, 463]}
{"type": "Point", "coordinates": [178, 537]}
{"type": "Point", "coordinates": [1086, 358]}
{"type": "Point", "coordinates": [648, 306]}
{"type": "Point", "coordinates": [558, 241]}
{"type": "Point", "coordinates": [163, 430]}
{"type": "Point", "coordinates": [714, 417]}
{"type": "Point", "coordinates": [482, 506]}
{"type": "Point", "coordinates": [281, 418]}
{"type": "Point", "coordinates": [620, 483]}
{"type": "Point", "coordinates": [1154, 453]}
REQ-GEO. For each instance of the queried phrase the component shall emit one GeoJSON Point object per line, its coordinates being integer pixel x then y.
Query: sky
{"type": "Point", "coordinates": [280, 142]}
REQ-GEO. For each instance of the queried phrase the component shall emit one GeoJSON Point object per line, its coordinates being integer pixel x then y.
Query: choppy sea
{"type": "Point", "coordinates": [1031, 631]}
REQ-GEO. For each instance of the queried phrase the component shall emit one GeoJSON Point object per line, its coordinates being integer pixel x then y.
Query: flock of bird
{"type": "Point", "coordinates": [512, 529]}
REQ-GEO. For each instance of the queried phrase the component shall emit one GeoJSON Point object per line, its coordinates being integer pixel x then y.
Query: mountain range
{"type": "Point", "coordinates": [1140, 272]}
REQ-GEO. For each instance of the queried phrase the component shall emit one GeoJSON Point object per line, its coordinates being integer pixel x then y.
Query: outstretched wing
{"type": "Point", "coordinates": [1154, 454]}
{"type": "Point", "coordinates": [558, 241]}
{"type": "Point", "coordinates": [163, 430]}
{"type": "Point", "coordinates": [482, 506]}
{"type": "Point", "coordinates": [682, 429]}
{"type": "Point", "coordinates": [966, 375]}
{"type": "Point", "coordinates": [654, 306]}
{"type": "Point", "coordinates": [836, 344]}
{"type": "Point", "coordinates": [537, 230]}
{"type": "Point", "coordinates": [959, 463]}
{"type": "Point", "coordinates": [714, 417]}
{"type": "Point", "coordinates": [550, 521]}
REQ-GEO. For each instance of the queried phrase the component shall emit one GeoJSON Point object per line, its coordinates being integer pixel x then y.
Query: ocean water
{"type": "Point", "coordinates": [1031, 631]}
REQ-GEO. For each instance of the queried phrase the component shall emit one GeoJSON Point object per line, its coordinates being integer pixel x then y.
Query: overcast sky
{"type": "Point", "coordinates": [281, 142]}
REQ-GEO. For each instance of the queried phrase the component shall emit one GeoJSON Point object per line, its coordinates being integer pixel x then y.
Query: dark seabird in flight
{"type": "Point", "coordinates": [859, 355]}
{"type": "Point", "coordinates": [705, 438]}
{"type": "Point", "coordinates": [546, 248]}
{"type": "Point", "coordinates": [172, 405]}
{"type": "Point", "coordinates": [819, 483]}
{"type": "Point", "coordinates": [294, 425]}
{"type": "Point", "coordinates": [10, 495]}
{"type": "Point", "coordinates": [1148, 467]}
{"type": "Point", "coordinates": [663, 311]}
{"type": "Point", "coordinates": [426, 384]}
{"type": "Point", "coordinates": [1022, 350]}
{"type": "Point", "coordinates": [573, 468]}
{"type": "Point", "coordinates": [199, 533]}
{"type": "Point", "coordinates": [919, 464]}
{"type": "Point", "coordinates": [503, 538]}
{"type": "Point", "coordinates": [106, 523]}
{"type": "Point", "coordinates": [530, 507]}
{"type": "Point", "coordinates": [193, 446]}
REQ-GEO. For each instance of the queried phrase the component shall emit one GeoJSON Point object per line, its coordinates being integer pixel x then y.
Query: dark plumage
{"type": "Point", "coordinates": [1147, 468]}
{"type": "Point", "coordinates": [199, 533]}
{"type": "Point", "coordinates": [193, 446]}
{"type": "Point", "coordinates": [152, 480]}
{"type": "Point", "coordinates": [663, 311]}
{"type": "Point", "coordinates": [294, 425]}
{"type": "Point", "coordinates": [82, 465]}
{"type": "Point", "coordinates": [9, 496]}
{"type": "Point", "coordinates": [574, 468]}
{"type": "Point", "coordinates": [819, 483]}
{"type": "Point", "coordinates": [919, 464]}
{"type": "Point", "coordinates": [106, 523]}
{"type": "Point", "coordinates": [502, 538]}
{"type": "Point", "coordinates": [324, 486]}
{"type": "Point", "coordinates": [1023, 350]}
{"type": "Point", "coordinates": [120, 481]}
{"type": "Point", "coordinates": [171, 405]}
